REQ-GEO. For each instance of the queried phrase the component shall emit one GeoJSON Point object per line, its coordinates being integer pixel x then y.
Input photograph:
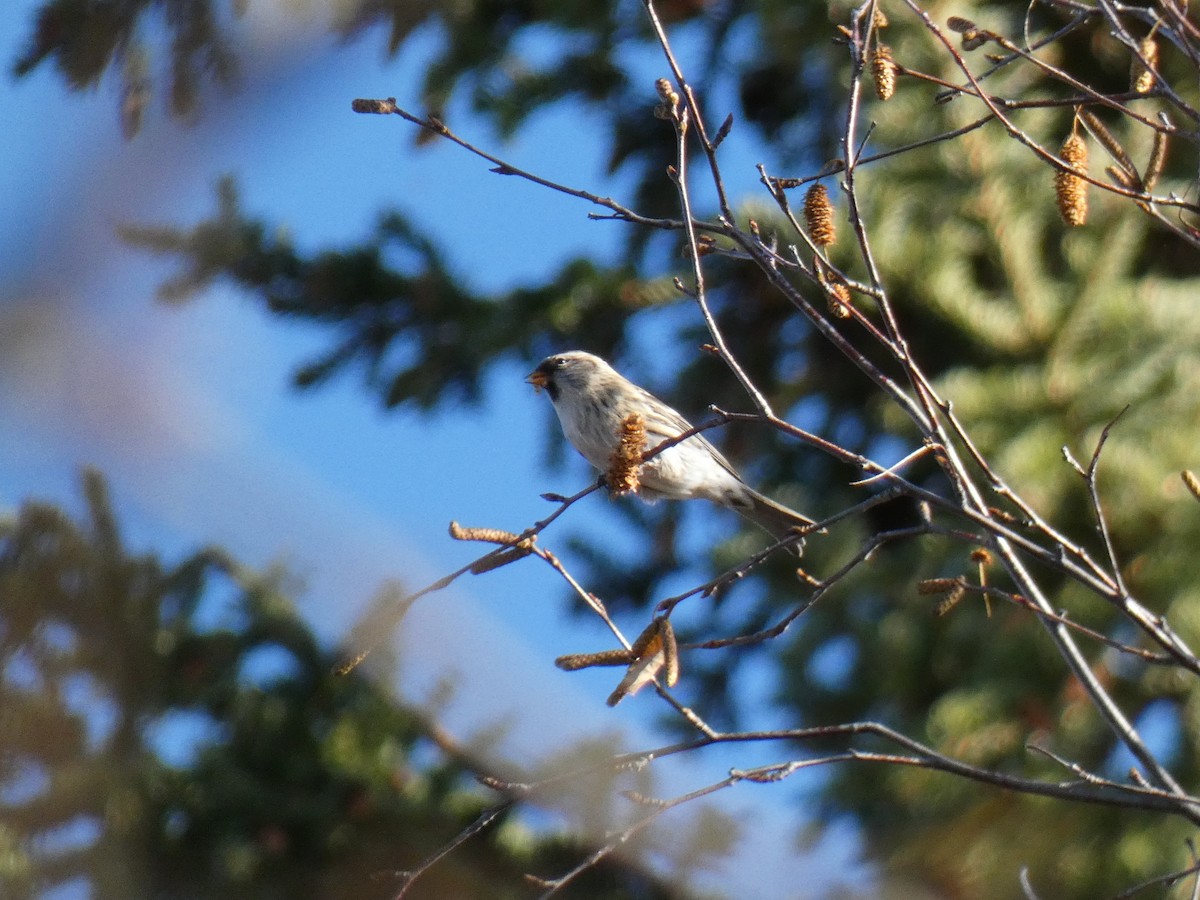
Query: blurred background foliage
{"type": "Point", "coordinates": [1038, 335]}
{"type": "Point", "coordinates": [218, 755]}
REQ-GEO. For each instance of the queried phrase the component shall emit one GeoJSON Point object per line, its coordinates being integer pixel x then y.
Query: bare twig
{"type": "Point", "coordinates": [485, 819]}
{"type": "Point", "coordinates": [963, 508]}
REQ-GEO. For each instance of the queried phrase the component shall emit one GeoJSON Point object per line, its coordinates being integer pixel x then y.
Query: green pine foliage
{"type": "Point", "coordinates": [177, 731]}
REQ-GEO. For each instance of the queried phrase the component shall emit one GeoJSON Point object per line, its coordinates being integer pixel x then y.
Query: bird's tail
{"type": "Point", "coordinates": [774, 518]}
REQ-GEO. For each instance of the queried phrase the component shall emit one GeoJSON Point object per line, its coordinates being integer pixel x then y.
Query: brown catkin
{"type": "Point", "coordinates": [647, 658]}
{"type": "Point", "coordinates": [373, 107]}
{"type": "Point", "coordinates": [837, 293]}
{"type": "Point", "coordinates": [1158, 159]}
{"type": "Point", "coordinates": [625, 464]}
{"type": "Point", "coordinates": [1192, 482]}
{"type": "Point", "coordinates": [883, 71]}
{"type": "Point", "coordinates": [1141, 75]}
{"type": "Point", "coordinates": [1098, 130]}
{"type": "Point", "coordinates": [670, 652]}
{"type": "Point", "coordinates": [487, 535]}
{"type": "Point", "coordinates": [939, 585]}
{"type": "Point", "coordinates": [952, 600]}
{"type": "Point", "coordinates": [573, 662]}
{"type": "Point", "coordinates": [1121, 177]}
{"type": "Point", "coordinates": [839, 299]}
{"type": "Point", "coordinates": [491, 562]}
{"type": "Point", "coordinates": [972, 36]}
{"type": "Point", "coordinates": [1069, 189]}
{"type": "Point", "coordinates": [818, 216]}
{"type": "Point", "coordinates": [975, 40]}
{"type": "Point", "coordinates": [646, 642]}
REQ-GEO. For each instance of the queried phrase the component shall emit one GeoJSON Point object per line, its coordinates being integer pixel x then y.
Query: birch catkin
{"type": "Point", "coordinates": [818, 216]}
{"type": "Point", "coordinates": [1069, 189]}
{"type": "Point", "coordinates": [883, 71]}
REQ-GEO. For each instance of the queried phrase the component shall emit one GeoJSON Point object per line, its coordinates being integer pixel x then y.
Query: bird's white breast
{"type": "Point", "coordinates": [683, 472]}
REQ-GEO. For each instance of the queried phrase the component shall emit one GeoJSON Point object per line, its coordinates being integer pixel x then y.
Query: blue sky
{"type": "Point", "coordinates": [187, 409]}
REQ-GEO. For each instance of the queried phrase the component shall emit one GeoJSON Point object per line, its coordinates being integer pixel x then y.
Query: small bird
{"type": "Point", "coordinates": [593, 401]}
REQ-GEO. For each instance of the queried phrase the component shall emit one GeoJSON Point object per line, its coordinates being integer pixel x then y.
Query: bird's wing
{"type": "Point", "coordinates": [668, 423]}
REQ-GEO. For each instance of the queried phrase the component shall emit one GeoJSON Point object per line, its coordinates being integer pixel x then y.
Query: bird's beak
{"type": "Point", "coordinates": [537, 378]}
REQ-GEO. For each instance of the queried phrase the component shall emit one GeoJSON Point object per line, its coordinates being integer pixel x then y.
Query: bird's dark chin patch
{"type": "Point", "coordinates": [552, 390]}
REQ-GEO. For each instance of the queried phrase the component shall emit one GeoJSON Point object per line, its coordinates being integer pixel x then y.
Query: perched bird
{"type": "Point", "coordinates": [593, 401]}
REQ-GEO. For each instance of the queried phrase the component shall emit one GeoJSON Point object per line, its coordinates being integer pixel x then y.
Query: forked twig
{"type": "Point", "coordinates": [960, 504]}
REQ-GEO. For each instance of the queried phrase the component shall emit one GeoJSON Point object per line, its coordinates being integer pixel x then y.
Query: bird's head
{"type": "Point", "coordinates": [567, 372]}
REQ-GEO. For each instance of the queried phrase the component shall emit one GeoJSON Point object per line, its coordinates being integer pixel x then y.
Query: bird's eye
{"type": "Point", "coordinates": [558, 362]}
